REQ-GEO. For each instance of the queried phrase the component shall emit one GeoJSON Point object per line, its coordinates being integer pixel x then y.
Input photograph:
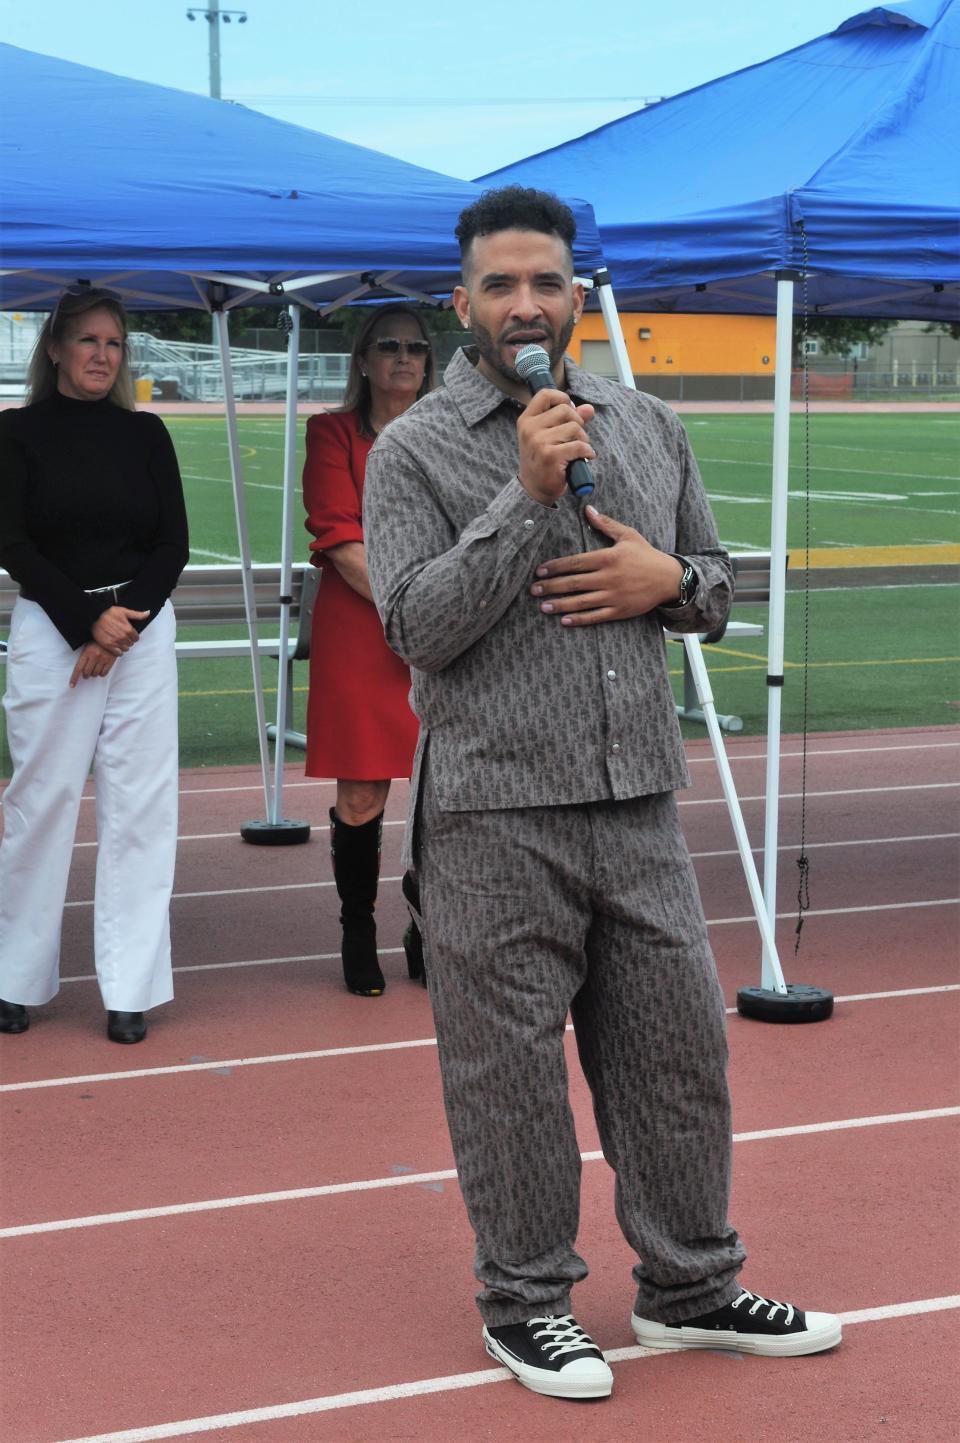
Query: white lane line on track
{"type": "Point", "coordinates": [358, 1049]}
{"type": "Point", "coordinates": [711, 922]}
{"type": "Point", "coordinates": [454, 1382]}
{"type": "Point", "coordinates": [853, 842]}
{"type": "Point", "coordinates": [839, 911]}
{"type": "Point", "coordinates": [730, 852]}
{"type": "Point", "coordinates": [376, 1184]}
{"type": "Point", "coordinates": [812, 751]}
{"type": "Point", "coordinates": [733, 757]}
{"type": "Point", "coordinates": [830, 792]}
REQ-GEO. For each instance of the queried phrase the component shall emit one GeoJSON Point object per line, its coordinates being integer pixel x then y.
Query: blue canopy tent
{"type": "Point", "coordinates": [836, 161]}
{"type": "Point", "coordinates": [838, 157]}
{"type": "Point", "coordinates": [161, 194]}
{"type": "Point", "coordinates": [174, 200]}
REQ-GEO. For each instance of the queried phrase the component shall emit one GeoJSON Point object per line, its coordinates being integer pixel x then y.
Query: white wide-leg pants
{"type": "Point", "coordinates": [125, 724]}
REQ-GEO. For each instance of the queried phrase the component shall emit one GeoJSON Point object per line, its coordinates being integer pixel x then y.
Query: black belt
{"type": "Point", "coordinates": [108, 591]}
{"type": "Point", "coordinates": [92, 591]}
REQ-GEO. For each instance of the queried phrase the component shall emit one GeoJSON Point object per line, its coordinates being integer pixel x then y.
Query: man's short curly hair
{"type": "Point", "coordinates": [515, 207]}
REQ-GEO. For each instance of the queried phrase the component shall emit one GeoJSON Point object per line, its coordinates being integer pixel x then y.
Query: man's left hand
{"type": "Point", "coordinates": [626, 579]}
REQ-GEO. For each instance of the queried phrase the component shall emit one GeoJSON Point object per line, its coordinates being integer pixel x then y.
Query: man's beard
{"type": "Point", "coordinates": [490, 350]}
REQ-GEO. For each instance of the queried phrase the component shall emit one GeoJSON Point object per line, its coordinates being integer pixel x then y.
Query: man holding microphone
{"type": "Point", "coordinates": [544, 830]}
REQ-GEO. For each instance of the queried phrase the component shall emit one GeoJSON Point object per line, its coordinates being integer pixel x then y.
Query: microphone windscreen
{"type": "Point", "coordinates": [531, 360]}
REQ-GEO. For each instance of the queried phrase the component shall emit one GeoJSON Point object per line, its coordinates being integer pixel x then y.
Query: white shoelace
{"type": "Point", "coordinates": [759, 1303]}
{"type": "Point", "coordinates": [565, 1334]}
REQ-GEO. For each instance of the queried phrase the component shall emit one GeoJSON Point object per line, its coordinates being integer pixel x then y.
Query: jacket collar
{"type": "Point", "coordinates": [476, 397]}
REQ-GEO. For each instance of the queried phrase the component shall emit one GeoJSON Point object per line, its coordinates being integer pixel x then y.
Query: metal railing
{"type": "Point", "coordinates": [190, 371]}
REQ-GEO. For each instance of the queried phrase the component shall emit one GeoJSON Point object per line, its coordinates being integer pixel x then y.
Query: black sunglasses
{"type": "Point", "coordinates": [390, 346]}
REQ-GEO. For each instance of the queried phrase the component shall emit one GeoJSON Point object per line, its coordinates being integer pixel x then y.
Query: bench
{"type": "Point", "coordinates": [751, 574]}
{"type": "Point", "coordinates": [213, 596]}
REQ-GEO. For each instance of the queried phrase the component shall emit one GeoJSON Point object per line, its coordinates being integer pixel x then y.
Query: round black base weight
{"type": "Point", "coordinates": [801, 1004]}
{"type": "Point", "coordinates": [275, 834]}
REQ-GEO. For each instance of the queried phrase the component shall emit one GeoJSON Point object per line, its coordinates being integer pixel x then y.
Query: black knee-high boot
{"type": "Point", "coordinates": [356, 868]}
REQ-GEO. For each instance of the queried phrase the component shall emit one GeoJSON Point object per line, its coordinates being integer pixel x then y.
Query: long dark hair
{"type": "Point", "coordinates": [357, 396]}
{"type": "Point", "coordinates": [42, 373]}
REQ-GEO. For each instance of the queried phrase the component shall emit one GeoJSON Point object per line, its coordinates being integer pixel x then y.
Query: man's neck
{"type": "Point", "coordinates": [516, 389]}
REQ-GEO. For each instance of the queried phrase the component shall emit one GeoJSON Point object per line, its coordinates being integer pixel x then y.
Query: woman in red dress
{"type": "Point", "coordinates": [360, 729]}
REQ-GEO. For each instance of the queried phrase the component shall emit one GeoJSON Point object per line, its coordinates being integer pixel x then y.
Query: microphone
{"type": "Point", "coordinates": [533, 366]}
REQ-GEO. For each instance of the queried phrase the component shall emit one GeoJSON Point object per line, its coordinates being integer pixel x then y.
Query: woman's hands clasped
{"type": "Point", "coordinates": [113, 630]}
{"type": "Point", "coordinates": [113, 634]}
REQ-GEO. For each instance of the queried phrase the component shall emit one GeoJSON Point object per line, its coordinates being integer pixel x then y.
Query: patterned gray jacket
{"type": "Point", "coordinates": [518, 710]}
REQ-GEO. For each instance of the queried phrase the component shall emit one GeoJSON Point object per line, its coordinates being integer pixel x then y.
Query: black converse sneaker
{"type": "Point", "coordinates": [750, 1324]}
{"type": "Point", "coordinates": [552, 1356]}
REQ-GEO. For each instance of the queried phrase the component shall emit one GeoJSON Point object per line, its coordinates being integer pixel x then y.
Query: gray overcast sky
{"type": "Point", "coordinates": [459, 88]}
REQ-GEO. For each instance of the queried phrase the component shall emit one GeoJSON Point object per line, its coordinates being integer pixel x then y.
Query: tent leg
{"type": "Point", "coordinates": [249, 599]}
{"type": "Point", "coordinates": [277, 831]}
{"type": "Point", "coordinates": [775, 1000]}
{"type": "Point", "coordinates": [694, 664]}
{"type": "Point", "coordinates": [694, 654]}
{"type": "Point", "coordinates": [772, 1001]}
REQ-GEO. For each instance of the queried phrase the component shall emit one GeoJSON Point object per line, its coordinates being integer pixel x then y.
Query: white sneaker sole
{"type": "Point", "coordinates": [823, 1331]}
{"type": "Point", "coordinates": [583, 1378]}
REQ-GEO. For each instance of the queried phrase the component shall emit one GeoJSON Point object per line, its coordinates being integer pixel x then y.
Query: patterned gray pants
{"type": "Point", "coordinates": [591, 909]}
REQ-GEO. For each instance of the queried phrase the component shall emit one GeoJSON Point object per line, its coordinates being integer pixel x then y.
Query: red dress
{"type": "Point", "coordinates": [359, 722]}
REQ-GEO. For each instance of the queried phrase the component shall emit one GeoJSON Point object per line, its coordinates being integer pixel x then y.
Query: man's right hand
{"type": "Point", "coordinates": [551, 433]}
{"type": "Point", "coordinates": [112, 629]}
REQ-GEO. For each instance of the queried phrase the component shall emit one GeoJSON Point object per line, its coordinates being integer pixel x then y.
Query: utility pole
{"type": "Point", "coordinates": [214, 17]}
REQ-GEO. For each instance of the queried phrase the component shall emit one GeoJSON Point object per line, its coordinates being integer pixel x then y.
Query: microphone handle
{"type": "Point", "coordinates": [579, 478]}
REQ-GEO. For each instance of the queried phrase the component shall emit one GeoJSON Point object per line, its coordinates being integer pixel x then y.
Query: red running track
{"type": "Point", "coordinates": [248, 1228]}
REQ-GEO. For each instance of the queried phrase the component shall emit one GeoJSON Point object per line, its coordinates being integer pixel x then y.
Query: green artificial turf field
{"type": "Point", "coordinates": [883, 641]}
{"type": "Point", "coordinates": [875, 480]}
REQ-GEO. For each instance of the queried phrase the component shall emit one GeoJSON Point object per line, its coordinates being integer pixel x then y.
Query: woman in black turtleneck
{"type": "Point", "coordinates": [94, 529]}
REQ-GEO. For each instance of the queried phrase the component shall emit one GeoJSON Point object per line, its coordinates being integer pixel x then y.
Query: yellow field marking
{"type": "Point", "coordinates": [240, 691]}
{"type": "Point", "coordinates": [717, 650]}
{"type": "Point", "coordinates": [248, 451]}
{"type": "Point", "coordinates": [761, 662]}
{"type": "Point", "coordinates": [936, 554]}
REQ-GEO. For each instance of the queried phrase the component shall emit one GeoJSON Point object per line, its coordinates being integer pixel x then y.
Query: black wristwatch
{"type": "Point", "coordinates": [688, 583]}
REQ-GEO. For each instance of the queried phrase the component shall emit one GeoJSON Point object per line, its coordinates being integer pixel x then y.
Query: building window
{"type": "Point", "coordinates": [811, 348]}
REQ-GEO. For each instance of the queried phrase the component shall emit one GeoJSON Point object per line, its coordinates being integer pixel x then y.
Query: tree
{"type": "Point", "coordinates": [192, 325]}
{"type": "Point", "coordinates": [947, 328]}
{"type": "Point", "coordinates": [837, 335]}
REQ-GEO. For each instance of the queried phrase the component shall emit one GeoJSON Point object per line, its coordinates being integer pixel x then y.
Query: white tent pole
{"type": "Point", "coordinates": [221, 327]}
{"type": "Point", "coordinates": [694, 651]}
{"type": "Point", "coordinates": [611, 319]}
{"type": "Point", "coordinates": [286, 555]}
{"type": "Point", "coordinates": [778, 590]}
{"type": "Point", "coordinates": [766, 925]}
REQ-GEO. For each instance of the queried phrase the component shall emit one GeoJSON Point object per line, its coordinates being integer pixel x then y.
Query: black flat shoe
{"type": "Point", "coordinates": [14, 1017]}
{"type": "Point", "coordinates": [126, 1026]}
{"type": "Point", "coordinates": [412, 940]}
{"type": "Point", "coordinates": [413, 947]}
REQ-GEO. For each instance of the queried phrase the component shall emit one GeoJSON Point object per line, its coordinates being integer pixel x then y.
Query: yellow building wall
{"type": "Point", "coordinates": [694, 345]}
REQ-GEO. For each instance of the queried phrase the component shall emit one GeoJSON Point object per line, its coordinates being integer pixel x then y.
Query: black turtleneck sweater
{"type": "Point", "coordinates": [90, 495]}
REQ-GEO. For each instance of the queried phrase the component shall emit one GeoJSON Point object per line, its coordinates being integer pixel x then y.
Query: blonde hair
{"type": "Point", "coordinates": [42, 373]}
{"type": "Point", "coordinates": [357, 396]}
